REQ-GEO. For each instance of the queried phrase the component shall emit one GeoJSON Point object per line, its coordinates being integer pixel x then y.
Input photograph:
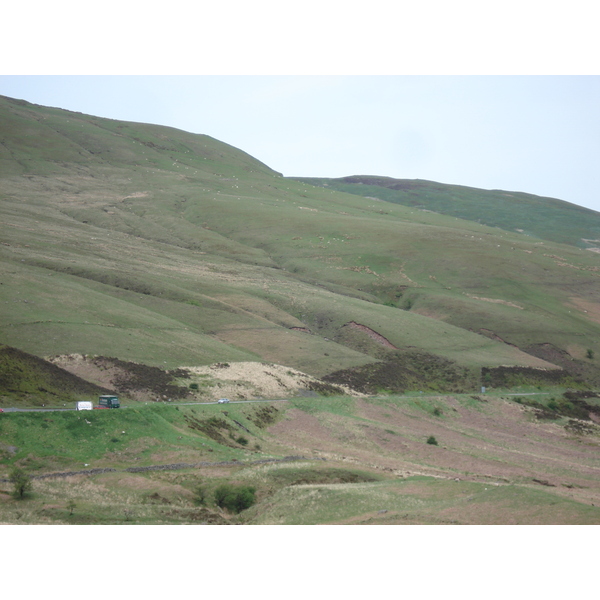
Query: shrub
{"type": "Point", "coordinates": [408, 304]}
{"type": "Point", "coordinates": [21, 482]}
{"type": "Point", "coordinates": [234, 498]}
{"type": "Point", "coordinates": [431, 440]}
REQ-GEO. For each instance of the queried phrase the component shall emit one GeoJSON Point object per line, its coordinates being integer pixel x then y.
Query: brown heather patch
{"type": "Point", "coordinates": [494, 441]}
{"type": "Point", "coordinates": [300, 427]}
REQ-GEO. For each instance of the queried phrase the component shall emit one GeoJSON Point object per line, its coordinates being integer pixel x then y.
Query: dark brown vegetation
{"type": "Point", "coordinates": [410, 370]}
{"type": "Point", "coordinates": [264, 416]}
{"type": "Point", "coordinates": [509, 377]}
{"type": "Point", "coordinates": [216, 429]}
{"type": "Point", "coordinates": [572, 405]}
{"type": "Point", "coordinates": [132, 377]}
{"type": "Point", "coordinates": [578, 369]}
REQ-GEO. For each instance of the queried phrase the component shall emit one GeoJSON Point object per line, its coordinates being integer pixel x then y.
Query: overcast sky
{"type": "Point", "coordinates": [293, 87]}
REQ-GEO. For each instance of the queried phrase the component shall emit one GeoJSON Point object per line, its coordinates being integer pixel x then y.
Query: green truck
{"type": "Point", "coordinates": [108, 402]}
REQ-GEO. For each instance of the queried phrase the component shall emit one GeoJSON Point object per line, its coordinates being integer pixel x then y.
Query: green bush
{"type": "Point", "coordinates": [21, 482]}
{"type": "Point", "coordinates": [234, 498]}
{"type": "Point", "coordinates": [431, 440]}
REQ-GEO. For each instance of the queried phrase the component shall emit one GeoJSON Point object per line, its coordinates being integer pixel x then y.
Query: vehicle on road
{"type": "Point", "coordinates": [1, 410]}
{"type": "Point", "coordinates": [108, 402]}
{"type": "Point", "coordinates": [223, 401]}
{"type": "Point", "coordinates": [84, 406]}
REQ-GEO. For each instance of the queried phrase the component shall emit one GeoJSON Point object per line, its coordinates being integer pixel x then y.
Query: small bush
{"type": "Point", "coordinates": [437, 411]}
{"type": "Point", "coordinates": [431, 440]}
{"type": "Point", "coordinates": [242, 441]}
{"type": "Point", "coordinates": [21, 482]}
{"type": "Point", "coordinates": [234, 498]}
{"type": "Point", "coordinates": [408, 304]}
{"type": "Point", "coordinates": [194, 386]}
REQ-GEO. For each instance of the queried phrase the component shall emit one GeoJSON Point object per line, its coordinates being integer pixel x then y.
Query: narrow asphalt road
{"type": "Point", "coordinates": [7, 410]}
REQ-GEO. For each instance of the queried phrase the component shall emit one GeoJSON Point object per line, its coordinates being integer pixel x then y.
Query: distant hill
{"type": "Point", "coordinates": [171, 249]}
{"type": "Point", "coordinates": [543, 218]}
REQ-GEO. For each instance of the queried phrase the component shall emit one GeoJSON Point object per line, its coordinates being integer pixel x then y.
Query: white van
{"type": "Point", "coordinates": [84, 406]}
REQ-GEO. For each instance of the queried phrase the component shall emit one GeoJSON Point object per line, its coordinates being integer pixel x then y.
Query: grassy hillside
{"type": "Point", "coordinates": [543, 218]}
{"type": "Point", "coordinates": [157, 246]}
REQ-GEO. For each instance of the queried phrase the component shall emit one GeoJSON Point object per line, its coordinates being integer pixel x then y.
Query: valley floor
{"type": "Point", "coordinates": [413, 459]}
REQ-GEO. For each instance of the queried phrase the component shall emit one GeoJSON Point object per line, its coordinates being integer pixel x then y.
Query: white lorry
{"type": "Point", "coordinates": [84, 406]}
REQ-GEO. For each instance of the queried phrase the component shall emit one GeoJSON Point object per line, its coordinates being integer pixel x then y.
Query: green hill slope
{"type": "Point", "coordinates": [544, 218]}
{"type": "Point", "coordinates": [158, 246]}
